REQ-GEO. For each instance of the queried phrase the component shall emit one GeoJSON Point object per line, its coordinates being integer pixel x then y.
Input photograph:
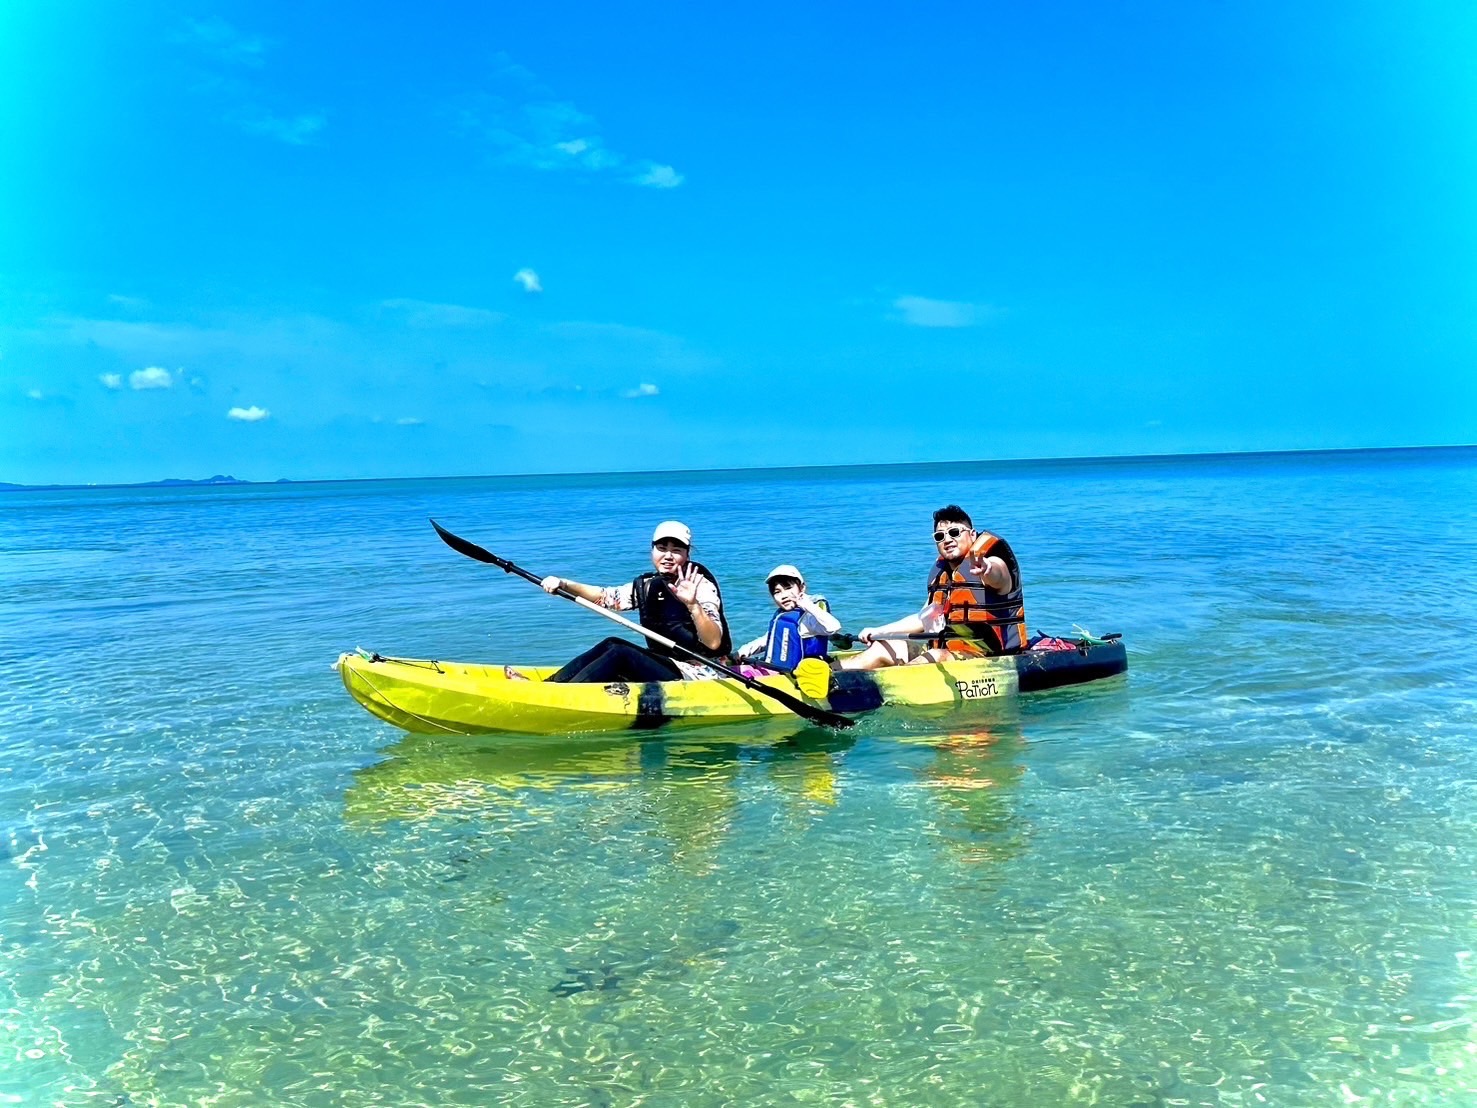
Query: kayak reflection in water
{"type": "Point", "coordinates": [679, 600]}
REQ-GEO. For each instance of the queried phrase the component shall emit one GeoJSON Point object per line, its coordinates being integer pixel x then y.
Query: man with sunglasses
{"type": "Point", "coordinates": [975, 606]}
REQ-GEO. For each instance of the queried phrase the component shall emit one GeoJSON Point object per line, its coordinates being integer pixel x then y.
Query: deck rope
{"type": "Point", "coordinates": [404, 711]}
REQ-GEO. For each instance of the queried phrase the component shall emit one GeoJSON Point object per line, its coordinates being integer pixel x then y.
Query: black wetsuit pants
{"type": "Point", "coordinates": [617, 660]}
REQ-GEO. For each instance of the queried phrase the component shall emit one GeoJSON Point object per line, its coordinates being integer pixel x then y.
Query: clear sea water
{"type": "Point", "coordinates": [1242, 875]}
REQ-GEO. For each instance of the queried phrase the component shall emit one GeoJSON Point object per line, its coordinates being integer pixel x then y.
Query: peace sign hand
{"type": "Point", "coordinates": [985, 566]}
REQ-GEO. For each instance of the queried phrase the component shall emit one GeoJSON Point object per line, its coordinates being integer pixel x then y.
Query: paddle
{"type": "Point", "coordinates": [846, 640]}
{"type": "Point", "coordinates": [799, 707]}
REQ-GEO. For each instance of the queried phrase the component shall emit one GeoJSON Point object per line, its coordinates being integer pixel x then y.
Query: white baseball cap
{"type": "Point", "coordinates": [671, 529]}
{"type": "Point", "coordinates": [785, 571]}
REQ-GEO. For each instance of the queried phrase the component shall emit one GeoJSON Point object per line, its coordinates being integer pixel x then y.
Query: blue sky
{"type": "Point", "coordinates": [367, 240]}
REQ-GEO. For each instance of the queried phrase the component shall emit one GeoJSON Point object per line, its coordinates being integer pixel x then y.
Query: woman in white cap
{"type": "Point", "coordinates": [800, 628]}
{"type": "Point", "coordinates": [679, 600]}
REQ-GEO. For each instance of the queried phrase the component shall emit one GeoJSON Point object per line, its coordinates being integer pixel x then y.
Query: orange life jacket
{"type": "Point", "coordinates": [978, 619]}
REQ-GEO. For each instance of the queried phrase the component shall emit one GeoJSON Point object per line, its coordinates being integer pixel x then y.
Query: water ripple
{"type": "Point", "coordinates": [1238, 877]}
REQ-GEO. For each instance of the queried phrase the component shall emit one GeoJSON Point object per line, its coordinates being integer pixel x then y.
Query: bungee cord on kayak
{"type": "Point", "coordinates": [364, 675]}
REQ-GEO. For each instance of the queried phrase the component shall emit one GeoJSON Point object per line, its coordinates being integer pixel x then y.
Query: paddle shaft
{"type": "Point", "coordinates": [799, 707]}
{"type": "Point", "coordinates": [846, 640]}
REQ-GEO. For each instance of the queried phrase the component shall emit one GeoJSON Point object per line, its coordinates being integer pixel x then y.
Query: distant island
{"type": "Point", "coordinates": [973, 464]}
{"type": "Point", "coordinates": [218, 479]}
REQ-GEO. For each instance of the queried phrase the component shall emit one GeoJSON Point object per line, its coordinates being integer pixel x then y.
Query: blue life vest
{"type": "Point", "coordinates": [786, 647]}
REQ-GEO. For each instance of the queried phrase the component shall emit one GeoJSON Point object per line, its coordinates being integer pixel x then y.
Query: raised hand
{"type": "Point", "coordinates": [685, 587]}
{"type": "Point", "coordinates": [984, 565]}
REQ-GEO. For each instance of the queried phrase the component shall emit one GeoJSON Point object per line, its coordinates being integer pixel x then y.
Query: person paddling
{"type": "Point", "coordinates": [799, 629]}
{"type": "Point", "coordinates": [679, 600]}
{"type": "Point", "coordinates": [975, 605]}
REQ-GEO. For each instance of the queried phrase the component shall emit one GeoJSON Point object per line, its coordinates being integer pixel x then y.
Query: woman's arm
{"type": "Point", "coordinates": [588, 592]}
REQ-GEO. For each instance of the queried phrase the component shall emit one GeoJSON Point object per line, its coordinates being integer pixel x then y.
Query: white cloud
{"type": "Point", "coordinates": [35, 394]}
{"type": "Point", "coordinates": [112, 380]}
{"type": "Point", "coordinates": [252, 414]}
{"type": "Point", "coordinates": [151, 378]}
{"type": "Point", "coordinates": [128, 303]}
{"type": "Point", "coordinates": [227, 58]}
{"type": "Point", "coordinates": [660, 177]}
{"type": "Point", "coordinates": [421, 313]}
{"type": "Point", "coordinates": [607, 353]}
{"type": "Point", "coordinates": [641, 390]}
{"type": "Point", "coordinates": [920, 311]}
{"type": "Point", "coordinates": [589, 154]}
{"type": "Point", "coordinates": [408, 421]}
{"type": "Point", "coordinates": [528, 125]}
{"type": "Point", "coordinates": [529, 280]}
{"type": "Point", "coordinates": [229, 338]}
{"type": "Point", "coordinates": [219, 38]}
{"type": "Point", "coordinates": [298, 130]}
{"type": "Point", "coordinates": [371, 362]}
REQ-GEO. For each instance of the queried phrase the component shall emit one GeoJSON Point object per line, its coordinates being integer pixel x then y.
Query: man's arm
{"type": "Point", "coordinates": [994, 573]}
{"type": "Point", "coordinates": [908, 625]}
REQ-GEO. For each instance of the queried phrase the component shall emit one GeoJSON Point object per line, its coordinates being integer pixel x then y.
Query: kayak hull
{"type": "Point", "coordinates": [432, 697]}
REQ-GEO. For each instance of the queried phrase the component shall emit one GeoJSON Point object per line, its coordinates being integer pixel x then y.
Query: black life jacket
{"type": "Point", "coordinates": [663, 613]}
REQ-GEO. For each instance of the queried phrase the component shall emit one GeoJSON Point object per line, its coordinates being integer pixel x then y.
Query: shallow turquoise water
{"type": "Point", "coordinates": [1243, 875]}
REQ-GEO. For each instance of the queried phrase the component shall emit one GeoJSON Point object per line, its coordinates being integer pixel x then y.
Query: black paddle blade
{"type": "Point", "coordinates": [799, 707]}
{"type": "Point", "coordinates": [462, 546]}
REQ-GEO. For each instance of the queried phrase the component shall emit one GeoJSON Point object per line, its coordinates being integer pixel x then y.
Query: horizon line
{"type": "Point", "coordinates": [1054, 460]}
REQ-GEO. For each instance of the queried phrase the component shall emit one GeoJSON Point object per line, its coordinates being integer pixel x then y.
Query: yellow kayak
{"type": "Point", "coordinates": [457, 698]}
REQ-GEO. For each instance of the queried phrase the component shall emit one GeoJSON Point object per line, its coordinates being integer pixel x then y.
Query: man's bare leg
{"type": "Point", "coordinates": [879, 655]}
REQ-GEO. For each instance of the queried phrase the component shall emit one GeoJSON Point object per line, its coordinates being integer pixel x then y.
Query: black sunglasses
{"type": "Point", "coordinates": [952, 532]}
